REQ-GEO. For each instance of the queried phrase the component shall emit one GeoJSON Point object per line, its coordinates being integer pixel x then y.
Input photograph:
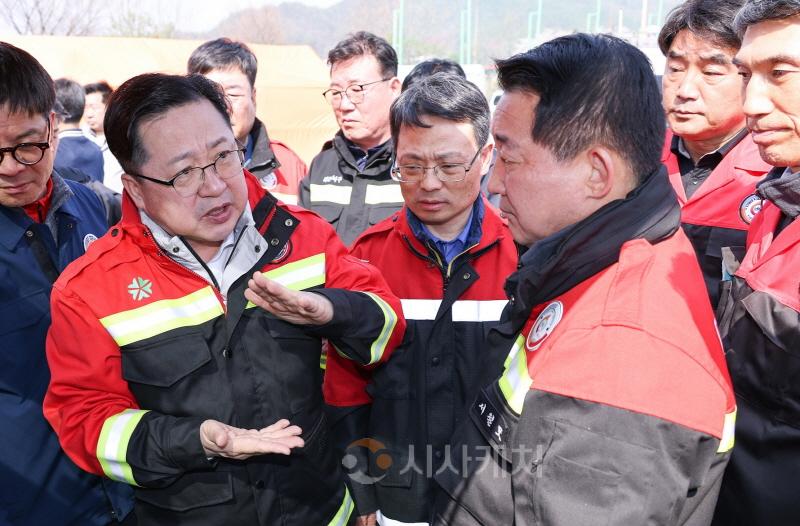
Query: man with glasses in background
{"type": "Point", "coordinates": [179, 374]}
{"type": "Point", "coordinates": [446, 254]}
{"type": "Point", "coordinates": [45, 223]}
{"type": "Point", "coordinates": [349, 183]}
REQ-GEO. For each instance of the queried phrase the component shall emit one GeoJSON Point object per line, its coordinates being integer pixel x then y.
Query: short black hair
{"type": "Point", "coordinates": [431, 66]}
{"type": "Point", "coordinates": [71, 100]}
{"type": "Point", "coordinates": [593, 89]}
{"type": "Point", "coordinates": [710, 20]}
{"type": "Point", "coordinates": [102, 87]}
{"type": "Point", "coordinates": [223, 53]}
{"type": "Point", "coordinates": [145, 97]}
{"type": "Point", "coordinates": [445, 95]}
{"type": "Point", "coordinates": [25, 86]}
{"type": "Point", "coordinates": [757, 11]}
{"type": "Point", "coordinates": [365, 43]}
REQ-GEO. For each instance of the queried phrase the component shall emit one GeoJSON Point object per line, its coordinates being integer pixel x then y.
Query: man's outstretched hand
{"type": "Point", "coordinates": [301, 308]}
{"type": "Point", "coordinates": [222, 440]}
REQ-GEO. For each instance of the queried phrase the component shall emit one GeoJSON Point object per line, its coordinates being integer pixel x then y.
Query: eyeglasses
{"type": "Point", "coordinates": [188, 181]}
{"type": "Point", "coordinates": [354, 92]}
{"type": "Point", "coordinates": [28, 153]}
{"type": "Point", "coordinates": [446, 172]}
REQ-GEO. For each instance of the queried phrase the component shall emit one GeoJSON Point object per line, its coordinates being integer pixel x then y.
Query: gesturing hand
{"type": "Point", "coordinates": [302, 308]}
{"type": "Point", "coordinates": [222, 440]}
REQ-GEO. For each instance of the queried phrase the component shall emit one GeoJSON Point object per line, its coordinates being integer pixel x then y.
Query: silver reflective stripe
{"type": "Point", "coordinates": [383, 194]}
{"type": "Point", "coordinates": [478, 311]}
{"type": "Point", "coordinates": [420, 309]}
{"type": "Point", "coordinates": [112, 444]}
{"type": "Point", "coordinates": [463, 310]}
{"type": "Point", "coordinates": [330, 193]}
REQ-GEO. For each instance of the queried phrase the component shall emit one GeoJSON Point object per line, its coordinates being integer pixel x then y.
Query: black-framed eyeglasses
{"type": "Point", "coordinates": [187, 182]}
{"type": "Point", "coordinates": [354, 92]}
{"type": "Point", "coordinates": [445, 172]}
{"type": "Point", "coordinates": [28, 153]}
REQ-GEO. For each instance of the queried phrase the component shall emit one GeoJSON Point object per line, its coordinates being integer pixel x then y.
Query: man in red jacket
{"type": "Point", "coordinates": [760, 311]}
{"type": "Point", "coordinates": [446, 254]}
{"type": "Point", "coordinates": [712, 161]}
{"type": "Point", "coordinates": [234, 66]}
{"type": "Point", "coordinates": [615, 405]}
{"type": "Point", "coordinates": [165, 374]}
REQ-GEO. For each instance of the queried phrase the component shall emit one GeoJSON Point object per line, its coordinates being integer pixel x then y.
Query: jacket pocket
{"type": "Point", "coordinates": [192, 490]}
{"type": "Point", "coordinates": [164, 363]}
{"type": "Point", "coordinates": [23, 312]}
{"type": "Point", "coordinates": [298, 355]}
{"type": "Point", "coordinates": [331, 213]}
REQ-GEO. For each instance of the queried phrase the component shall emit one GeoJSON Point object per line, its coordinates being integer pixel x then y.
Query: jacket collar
{"type": "Point", "coordinates": [262, 151]}
{"type": "Point", "coordinates": [557, 263]}
{"type": "Point", "coordinates": [376, 164]}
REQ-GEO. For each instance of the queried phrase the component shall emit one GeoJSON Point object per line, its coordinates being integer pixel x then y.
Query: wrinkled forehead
{"type": "Point", "coordinates": [770, 42]}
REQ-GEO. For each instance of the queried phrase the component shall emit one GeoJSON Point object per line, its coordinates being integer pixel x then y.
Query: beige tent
{"type": "Point", "coordinates": [289, 83]}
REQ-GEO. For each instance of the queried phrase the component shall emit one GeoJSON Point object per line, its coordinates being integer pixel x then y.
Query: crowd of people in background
{"type": "Point", "coordinates": [582, 308]}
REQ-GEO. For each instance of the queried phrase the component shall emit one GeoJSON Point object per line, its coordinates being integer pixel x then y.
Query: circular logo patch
{"type": "Point", "coordinates": [269, 181]}
{"type": "Point", "coordinates": [88, 239]}
{"type": "Point", "coordinates": [283, 253]}
{"type": "Point", "coordinates": [544, 325]}
{"type": "Point", "coordinates": [749, 208]}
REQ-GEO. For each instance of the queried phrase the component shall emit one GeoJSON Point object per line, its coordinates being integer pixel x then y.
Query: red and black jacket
{"type": "Point", "coordinates": [615, 406]}
{"type": "Point", "coordinates": [719, 213]}
{"type": "Point", "coordinates": [142, 351]}
{"type": "Point", "coordinates": [760, 325]}
{"type": "Point", "coordinates": [417, 398]}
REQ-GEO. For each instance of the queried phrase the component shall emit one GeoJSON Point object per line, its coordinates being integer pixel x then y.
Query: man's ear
{"type": "Point", "coordinates": [134, 189]}
{"type": "Point", "coordinates": [603, 174]}
{"type": "Point", "coordinates": [485, 158]}
{"type": "Point", "coordinates": [253, 93]}
{"type": "Point", "coordinates": [395, 86]}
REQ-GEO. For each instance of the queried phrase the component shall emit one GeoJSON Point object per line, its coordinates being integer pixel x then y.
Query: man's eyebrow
{"type": "Point", "coordinates": [184, 155]}
{"type": "Point", "coordinates": [675, 54]}
{"type": "Point", "coordinates": [716, 58]}
{"type": "Point", "coordinates": [775, 59]}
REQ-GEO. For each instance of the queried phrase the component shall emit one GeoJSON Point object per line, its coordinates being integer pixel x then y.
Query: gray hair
{"type": "Point", "coordinates": [445, 95]}
{"type": "Point", "coordinates": [757, 11]}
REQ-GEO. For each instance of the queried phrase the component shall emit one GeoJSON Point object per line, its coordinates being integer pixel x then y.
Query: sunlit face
{"type": "Point", "coordinates": [770, 65]}
{"type": "Point", "coordinates": [702, 91]}
{"type": "Point", "coordinates": [183, 137]}
{"type": "Point", "coordinates": [95, 112]}
{"type": "Point", "coordinates": [443, 206]}
{"type": "Point", "coordinates": [366, 124]}
{"type": "Point", "coordinates": [539, 195]}
{"type": "Point", "coordinates": [242, 98]}
{"type": "Point", "coordinates": [21, 184]}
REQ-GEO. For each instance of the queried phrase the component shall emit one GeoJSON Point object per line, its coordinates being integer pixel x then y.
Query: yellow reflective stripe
{"type": "Point", "coordinates": [286, 198]}
{"type": "Point", "coordinates": [331, 193]}
{"type": "Point", "coordinates": [298, 275]}
{"type": "Point", "coordinates": [516, 382]}
{"type": "Point", "coordinates": [345, 510]}
{"type": "Point", "coordinates": [112, 446]}
{"type": "Point", "coordinates": [728, 432]}
{"type": "Point", "coordinates": [162, 316]}
{"type": "Point", "coordinates": [323, 359]}
{"type": "Point", "coordinates": [383, 194]}
{"type": "Point", "coordinates": [389, 323]}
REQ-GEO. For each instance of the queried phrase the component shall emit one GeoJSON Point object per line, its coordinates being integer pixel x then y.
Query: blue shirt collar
{"type": "Point", "coordinates": [470, 235]}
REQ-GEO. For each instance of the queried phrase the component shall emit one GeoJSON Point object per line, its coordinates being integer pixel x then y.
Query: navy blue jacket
{"type": "Point", "coordinates": [77, 151]}
{"type": "Point", "coordinates": [39, 484]}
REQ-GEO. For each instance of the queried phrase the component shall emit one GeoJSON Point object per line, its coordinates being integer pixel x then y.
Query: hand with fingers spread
{"type": "Point", "coordinates": [302, 308]}
{"type": "Point", "coordinates": [222, 440]}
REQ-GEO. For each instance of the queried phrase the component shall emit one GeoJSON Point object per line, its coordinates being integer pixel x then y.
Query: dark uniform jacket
{"type": "Point", "coordinates": [350, 199]}
{"type": "Point", "coordinates": [39, 484]}
{"type": "Point", "coordinates": [615, 406]}
{"type": "Point", "coordinates": [141, 361]}
{"type": "Point", "coordinates": [418, 397]}
{"type": "Point", "coordinates": [719, 212]}
{"type": "Point", "coordinates": [760, 324]}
